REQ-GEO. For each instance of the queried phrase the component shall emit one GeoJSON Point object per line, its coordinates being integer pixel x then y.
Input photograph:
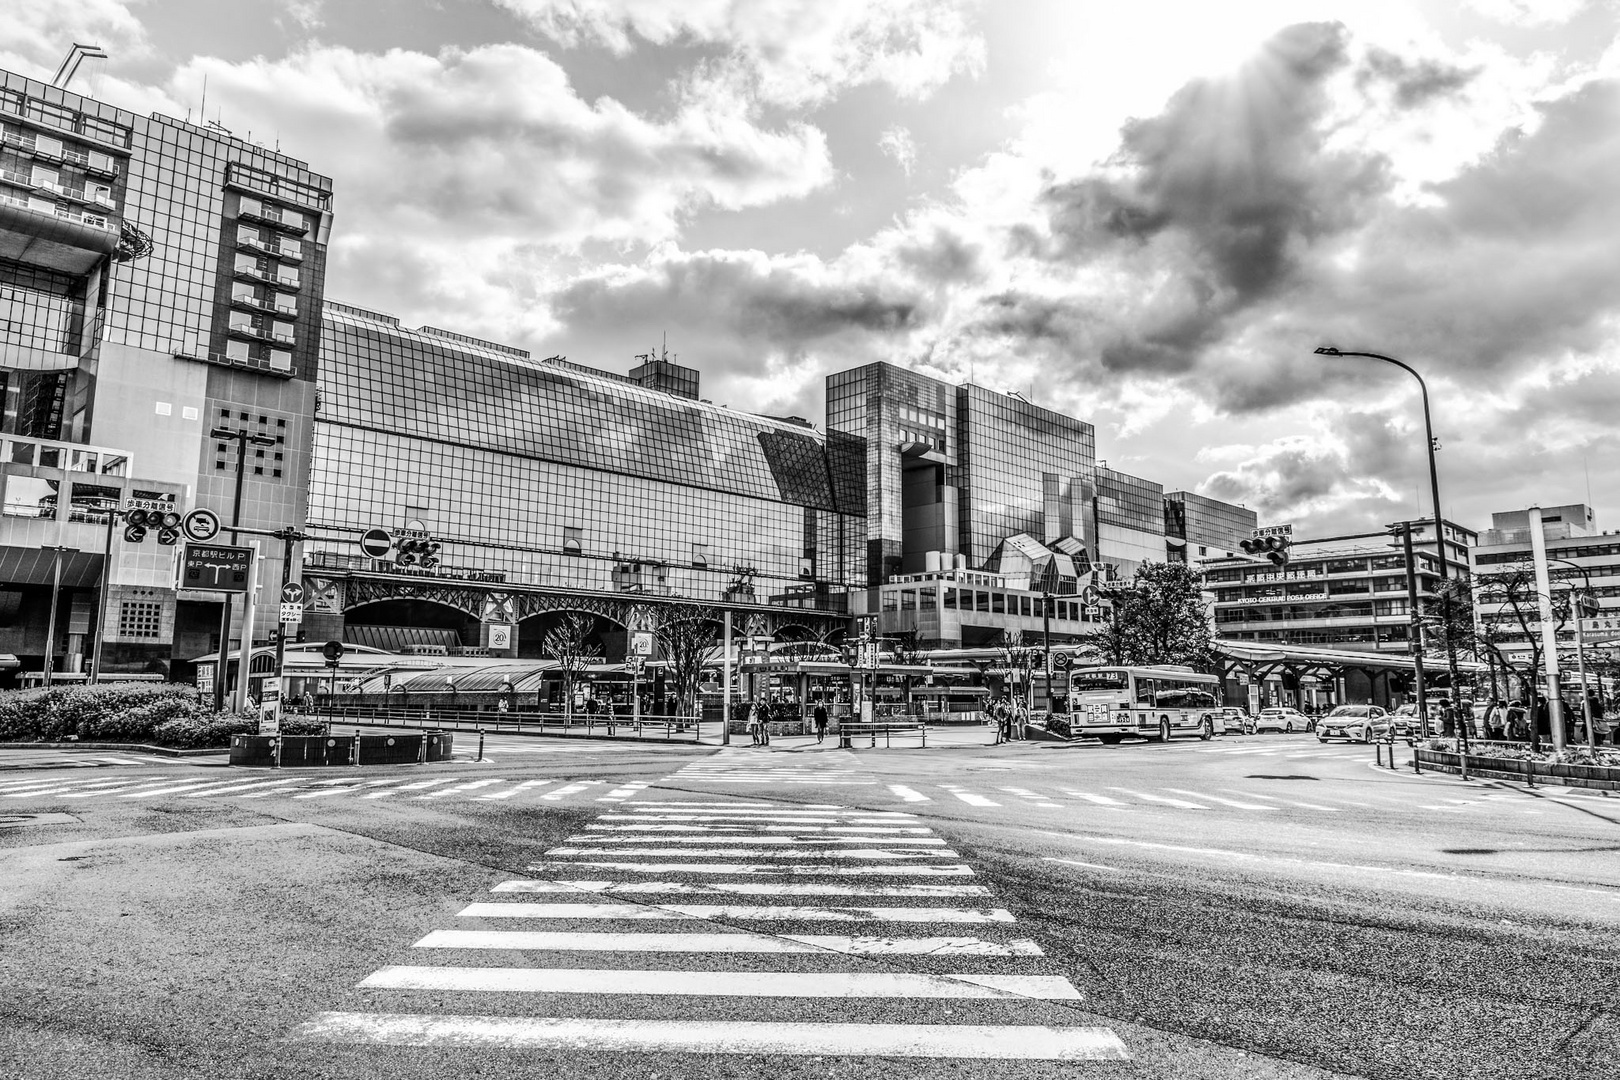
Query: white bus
{"type": "Point", "coordinates": [1109, 703]}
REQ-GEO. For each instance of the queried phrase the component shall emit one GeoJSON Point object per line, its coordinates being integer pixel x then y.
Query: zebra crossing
{"type": "Point", "coordinates": [399, 788]}
{"type": "Point", "coordinates": [746, 765]}
{"type": "Point", "coordinates": [639, 888]}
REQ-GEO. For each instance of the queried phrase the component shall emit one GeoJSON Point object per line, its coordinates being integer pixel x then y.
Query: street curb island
{"type": "Point", "coordinates": [1523, 770]}
{"type": "Point", "coordinates": [126, 748]}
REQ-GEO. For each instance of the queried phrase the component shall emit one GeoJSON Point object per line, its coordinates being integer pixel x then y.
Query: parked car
{"type": "Point", "coordinates": [1361, 723]}
{"type": "Point", "coordinates": [1278, 719]}
{"type": "Point", "coordinates": [1233, 719]}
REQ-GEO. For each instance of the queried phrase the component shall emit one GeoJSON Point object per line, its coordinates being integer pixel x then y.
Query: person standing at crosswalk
{"type": "Point", "coordinates": [820, 715]}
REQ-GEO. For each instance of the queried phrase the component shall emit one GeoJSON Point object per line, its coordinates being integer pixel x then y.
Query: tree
{"type": "Point", "coordinates": [685, 638]}
{"type": "Point", "coordinates": [569, 643]}
{"type": "Point", "coordinates": [1160, 617]}
{"type": "Point", "coordinates": [1514, 589]}
{"type": "Point", "coordinates": [904, 651]}
{"type": "Point", "coordinates": [1450, 624]}
{"type": "Point", "coordinates": [1019, 657]}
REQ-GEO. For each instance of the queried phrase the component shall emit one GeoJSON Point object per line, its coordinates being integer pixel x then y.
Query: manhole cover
{"type": "Point", "coordinates": [12, 821]}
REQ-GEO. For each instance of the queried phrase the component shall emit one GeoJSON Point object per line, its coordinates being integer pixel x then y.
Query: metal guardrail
{"type": "Point", "coordinates": [848, 730]}
{"type": "Point", "coordinates": [581, 725]}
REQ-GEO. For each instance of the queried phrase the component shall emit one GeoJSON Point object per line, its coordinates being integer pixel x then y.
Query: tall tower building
{"type": "Point", "coordinates": [159, 280]}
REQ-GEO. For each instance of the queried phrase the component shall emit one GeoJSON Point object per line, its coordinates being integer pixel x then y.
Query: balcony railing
{"type": "Point", "coordinates": [95, 221]}
{"type": "Point", "coordinates": [271, 217]}
{"type": "Point", "coordinates": [247, 363]}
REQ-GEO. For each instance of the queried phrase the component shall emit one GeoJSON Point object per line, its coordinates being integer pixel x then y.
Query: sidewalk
{"type": "Point", "coordinates": [942, 738]}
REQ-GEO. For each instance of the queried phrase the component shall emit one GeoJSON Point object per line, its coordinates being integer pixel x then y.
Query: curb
{"type": "Point", "coordinates": [127, 748]}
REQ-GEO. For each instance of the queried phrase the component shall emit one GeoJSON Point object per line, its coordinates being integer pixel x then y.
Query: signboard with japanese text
{"type": "Point", "coordinates": [215, 568]}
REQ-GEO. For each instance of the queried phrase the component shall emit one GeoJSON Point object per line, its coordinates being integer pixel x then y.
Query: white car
{"type": "Point", "coordinates": [1359, 723]}
{"type": "Point", "coordinates": [1279, 719]}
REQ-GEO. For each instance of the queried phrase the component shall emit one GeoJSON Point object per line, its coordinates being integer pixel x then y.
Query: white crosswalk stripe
{"type": "Point", "coordinates": [745, 765]}
{"type": "Point", "coordinates": [689, 960]}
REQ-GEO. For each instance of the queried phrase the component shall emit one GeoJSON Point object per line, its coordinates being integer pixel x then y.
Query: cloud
{"type": "Point", "coordinates": [1418, 81]}
{"type": "Point", "coordinates": [897, 143]}
{"type": "Point", "coordinates": [1529, 12]}
{"type": "Point", "coordinates": [38, 33]}
{"type": "Point", "coordinates": [306, 14]}
{"type": "Point", "coordinates": [1309, 482]}
{"type": "Point", "coordinates": [785, 52]}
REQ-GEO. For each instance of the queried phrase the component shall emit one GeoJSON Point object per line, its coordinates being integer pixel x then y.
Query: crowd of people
{"type": "Point", "coordinates": [1518, 721]}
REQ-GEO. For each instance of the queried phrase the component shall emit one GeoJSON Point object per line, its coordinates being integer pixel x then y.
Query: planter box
{"type": "Point", "coordinates": [307, 751]}
{"type": "Point", "coordinates": [1598, 777]}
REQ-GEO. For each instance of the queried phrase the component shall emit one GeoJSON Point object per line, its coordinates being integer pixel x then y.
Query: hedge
{"type": "Point", "coordinates": [1572, 754]}
{"type": "Point", "coordinates": [134, 713]}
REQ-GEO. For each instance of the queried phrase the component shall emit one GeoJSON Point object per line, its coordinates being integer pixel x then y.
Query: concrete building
{"type": "Point", "coordinates": [158, 279]}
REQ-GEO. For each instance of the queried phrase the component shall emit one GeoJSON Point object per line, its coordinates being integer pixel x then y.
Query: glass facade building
{"type": "Point", "coordinates": [157, 279]}
{"type": "Point", "coordinates": [545, 475]}
{"type": "Point", "coordinates": [1198, 527]}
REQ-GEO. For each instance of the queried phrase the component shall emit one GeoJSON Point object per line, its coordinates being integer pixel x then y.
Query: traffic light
{"type": "Point", "coordinates": [1274, 548]}
{"type": "Point", "coordinates": [1588, 606]}
{"type": "Point", "coordinates": [133, 533]}
{"type": "Point", "coordinates": [418, 551]}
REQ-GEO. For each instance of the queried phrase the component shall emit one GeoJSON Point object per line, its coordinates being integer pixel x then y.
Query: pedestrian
{"type": "Point", "coordinates": [1540, 723]}
{"type": "Point", "coordinates": [1020, 721]}
{"type": "Point", "coordinates": [820, 715]}
{"type": "Point", "coordinates": [1493, 720]}
{"type": "Point", "coordinates": [1517, 726]}
{"type": "Point", "coordinates": [1448, 718]}
{"type": "Point", "coordinates": [767, 713]}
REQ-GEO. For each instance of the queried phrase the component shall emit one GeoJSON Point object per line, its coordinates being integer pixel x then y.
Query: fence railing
{"type": "Point", "coordinates": [533, 722]}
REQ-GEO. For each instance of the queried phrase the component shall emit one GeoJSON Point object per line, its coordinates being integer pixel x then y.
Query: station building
{"type": "Point", "coordinates": [158, 280]}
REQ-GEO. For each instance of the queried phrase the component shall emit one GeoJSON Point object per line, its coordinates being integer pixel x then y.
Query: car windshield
{"type": "Point", "coordinates": [1351, 711]}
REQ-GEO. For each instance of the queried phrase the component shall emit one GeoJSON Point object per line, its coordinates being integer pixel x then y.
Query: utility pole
{"type": "Point", "coordinates": [1046, 644]}
{"type": "Point", "coordinates": [242, 438]}
{"type": "Point", "coordinates": [1416, 630]}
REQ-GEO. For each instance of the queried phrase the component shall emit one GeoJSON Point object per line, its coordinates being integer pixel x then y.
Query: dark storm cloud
{"type": "Point", "coordinates": [1415, 82]}
{"type": "Point", "coordinates": [752, 297]}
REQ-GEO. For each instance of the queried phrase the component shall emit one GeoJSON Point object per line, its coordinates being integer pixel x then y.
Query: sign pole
{"type": "Point", "coordinates": [725, 682]}
{"type": "Point", "coordinates": [244, 664]}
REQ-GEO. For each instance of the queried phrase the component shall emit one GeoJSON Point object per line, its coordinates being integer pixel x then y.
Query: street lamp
{"type": "Point", "coordinates": [242, 437]}
{"type": "Point", "coordinates": [50, 625]}
{"type": "Point", "coordinates": [1576, 604]}
{"type": "Point", "coordinates": [1434, 482]}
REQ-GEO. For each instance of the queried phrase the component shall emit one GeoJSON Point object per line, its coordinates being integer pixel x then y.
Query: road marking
{"type": "Point", "coordinates": [807, 984]}
{"type": "Point", "coordinates": [619, 794]}
{"type": "Point", "coordinates": [1100, 800]}
{"type": "Point", "coordinates": [969, 797]}
{"type": "Point", "coordinates": [873, 831]}
{"type": "Point", "coordinates": [738, 888]}
{"type": "Point", "coordinates": [28, 788]}
{"type": "Point", "coordinates": [232, 788]}
{"type": "Point", "coordinates": [1182, 803]}
{"type": "Point", "coordinates": [757, 853]}
{"type": "Point", "coordinates": [525, 785]}
{"type": "Point", "coordinates": [908, 794]}
{"type": "Point", "coordinates": [1087, 865]}
{"type": "Point", "coordinates": [755, 838]}
{"type": "Point", "coordinates": [417, 786]}
{"type": "Point", "coordinates": [167, 789]}
{"type": "Point", "coordinates": [1286, 802]}
{"type": "Point", "coordinates": [981, 1041]}
{"type": "Point", "coordinates": [960, 870]}
{"type": "Point", "coordinates": [472, 786]}
{"type": "Point", "coordinates": [1039, 800]}
{"type": "Point", "coordinates": [725, 911]}
{"type": "Point", "coordinates": [335, 788]}
{"type": "Point", "coordinates": [571, 789]}
{"type": "Point", "coordinates": [1226, 802]}
{"type": "Point", "coordinates": [724, 943]}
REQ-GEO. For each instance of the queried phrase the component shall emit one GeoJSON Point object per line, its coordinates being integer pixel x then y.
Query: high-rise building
{"type": "Point", "coordinates": [158, 280]}
{"type": "Point", "coordinates": [550, 486]}
{"type": "Point", "coordinates": [1579, 557]}
{"type": "Point", "coordinates": [1198, 527]}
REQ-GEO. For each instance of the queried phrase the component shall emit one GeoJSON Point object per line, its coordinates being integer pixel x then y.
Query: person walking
{"type": "Point", "coordinates": [1517, 726]}
{"type": "Point", "coordinates": [1493, 720]}
{"type": "Point", "coordinates": [820, 715]}
{"type": "Point", "coordinates": [1541, 723]}
{"type": "Point", "coordinates": [1448, 718]}
{"type": "Point", "coordinates": [767, 713]}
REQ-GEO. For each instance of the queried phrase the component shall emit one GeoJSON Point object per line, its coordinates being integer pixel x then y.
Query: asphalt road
{"type": "Point", "coordinates": [1259, 906]}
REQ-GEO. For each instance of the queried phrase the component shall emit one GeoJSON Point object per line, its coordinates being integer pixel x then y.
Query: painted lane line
{"type": "Point", "coordinates": [808, 984]}
{"type": "Point", "coordinates": [1100, 800]}
{"type": "Point", "coordinates": [738, 888]}
{"type": "Point", "coordinates": [167, 789]}
{"type": "Point", "coordinates": [67, 782]}
{"type": "Point", "coordinates": [674, 851]}
{"type": "Point", "coordinates": [571, 789]}
{"type": "Point", "coordinates": [517, 910]}
{"type": "Point", "coordinates": [821, 870]}
{"type": "Point", "coordinates": [534, 940]}
{"type": "Point", "coordinates": [1225, 802]}
{"type": "Point", "coordinates": [1167, 800]}
{"type": "Point", "coordinates": [908, 794]}
{"type": "Point", "coordinates": [739, 820]}
{"type": "Point", "coordinates": [335, 789]}
{"type": "Point", "coordinates": [417, 786]}
{"type": "Point", "coordinates": [619, 794]}
{"type": "Point", "coordinates": [981, 1042]}
{"type": "Point", "coordinates": [58, 786]}
{"type": "Point", "coordinates": [232, 788]}
{"type": "Point", "coordinates": [473, 786]}
{"type": "Point", "coordinates": [755, 830]}
{"type": "Point", "coordinates": [1285, 802]}
{"type": "Point", "coordinates": [1247, 856]}
{"type": "Point", "coordinates": [1087, 865]}
{"type": "Point", "coordinates": [524, 786]}
{"type": "Point", "coordinates": [1039, 800]}
{"type": "Point", "coordinates": [742, 806]}
{"type": "Point", "coordinates": [974, 800]}
{"type": "Point", "coordinates": [755, 838]}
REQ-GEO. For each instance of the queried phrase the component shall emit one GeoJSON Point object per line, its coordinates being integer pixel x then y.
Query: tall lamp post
{"type": "Point", "coordinates": [1577, 605]}
{"type": "Point", "coordinates": [1434, 478]}
{"type": "Point", "coordinates": [242, 437]}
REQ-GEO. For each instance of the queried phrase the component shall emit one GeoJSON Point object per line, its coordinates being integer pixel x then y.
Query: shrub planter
{"type": "Point", "coordinates": [307, 751]}
{"type": "Point", "coordinates": [1598, 777]}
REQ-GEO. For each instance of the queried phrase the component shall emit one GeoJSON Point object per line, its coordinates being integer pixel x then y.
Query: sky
{"type": "Point", "coordinates": [1147, 215]}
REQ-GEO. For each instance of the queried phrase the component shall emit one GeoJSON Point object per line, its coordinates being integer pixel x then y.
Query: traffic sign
{"type": "Point", "coordinates": [1061, 661]}
{"type": "Point", "coordinates": [376, 543]}
{"type": "Point", "coordinates": [216, 568]}
{"type": "Point", "coordinates": [635, 664]}
{"type": "Point", "coordinates": [292, 613]}
{"type": "Point", "coordinates": [201, 525]}
{"type": "Point", "coordinates": [641, 643]}
{"type": "Point", "coordinates": [292, 593]}
{"type": "Point", "coordinates": [1090, 596]}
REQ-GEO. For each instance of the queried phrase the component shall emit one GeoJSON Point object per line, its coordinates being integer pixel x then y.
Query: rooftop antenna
{"type": "Point", "coordinates": [71, 62]}
{"type": "Point", "coordinates": [202, 110]}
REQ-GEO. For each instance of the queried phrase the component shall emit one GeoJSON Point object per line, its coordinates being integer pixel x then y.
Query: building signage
{"type": "Point", "coordinates": [216, 568]}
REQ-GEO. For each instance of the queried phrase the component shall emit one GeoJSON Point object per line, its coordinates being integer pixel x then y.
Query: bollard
{"type": "Point", "coordinates": [480, 744]}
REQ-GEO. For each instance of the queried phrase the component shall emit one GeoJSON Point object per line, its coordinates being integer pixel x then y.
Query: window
{"type": "Point", "coordinates": [251, 206]}
{"type": "Point", "coordinates": [140, 619]}
{"type": "Point", "coordinates": [247, 234]}
{"type": "Point", "coordinates": [241, 320]}
{"type": "Point", "coordinates": [247, 263]}
{"type": "Point", "coordinates": [281, 359]}
{"type": "Point", "coordinates": [243, 291]}
{"type": "Point", "coordinates": [700, 556]}
{"type": "Point", "coordinates": [573, 541]}
{"type": "Point", "coordinates": [283, 331]}
{"type": "Point", "coordinates": [288, 275]}
{"type": "Point", "coordinates": [286, 305]}
{"type": "Point", "coordinates": [237, 350]}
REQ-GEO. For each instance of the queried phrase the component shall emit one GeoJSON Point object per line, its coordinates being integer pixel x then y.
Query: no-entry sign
{"type": "Point", "coordinates": [376, 543]}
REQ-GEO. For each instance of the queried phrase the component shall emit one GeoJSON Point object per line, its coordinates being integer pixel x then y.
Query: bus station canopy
{"type": "Point", "coordinates": [1257, 652]}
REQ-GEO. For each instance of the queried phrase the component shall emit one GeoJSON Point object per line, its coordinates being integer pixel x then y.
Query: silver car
{"type": "Point", "coordinates": [1278, 719]}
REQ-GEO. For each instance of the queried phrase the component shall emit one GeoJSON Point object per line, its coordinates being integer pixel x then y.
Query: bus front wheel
{"type": "Point", "coordinates": [1164, 729]}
